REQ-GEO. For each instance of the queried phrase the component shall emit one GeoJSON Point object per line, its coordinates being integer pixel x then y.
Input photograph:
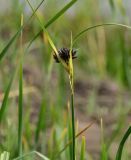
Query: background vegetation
{"type": "Point", "coordinates": [35, 91]}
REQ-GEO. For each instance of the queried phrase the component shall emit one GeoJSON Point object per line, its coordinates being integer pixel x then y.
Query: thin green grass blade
{"type": "Point", "coordinates": [33, 153]}
{"type": "Point", "coordinates": [60, 13]}
{"type": "Point", "coordinates": [53, 19]}
{"type": "Point", "coordinates": [36, 10]}
{"type": "Point", "coordinates": [4, 103]}
{"type": "Point", "coordinates": [73, 125]}
{"type": "Point", "coordinates": [99, 25]}
{"type": "Point", "coordinates": [71, 80]}
{"type": "Point", "coordinates": [4, 51]}
{"type": "Point", "coordinates": [120, 149]}
{"type": "Point", "coordinates": [20, 103]}
{"type": "Point", "coordinates": [82, 154]}
{"type": "Point", "coordinates": [20, 110]}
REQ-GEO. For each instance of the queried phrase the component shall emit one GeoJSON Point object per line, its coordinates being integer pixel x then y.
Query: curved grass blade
{"type": "Point", "coordinates": [53, 19]}
{"type": "Point", "coordinates": [32, 154]}
{"type": "Point", "coordinates": [3, 52]}
{"type": "Point", "coordinates": [120, 149]}
{"type": "Point", "coordinates": [4, 102]}
{"type": "Point", "coordinates": [99, 25]}
{"type": "Point", "coordinates": [125, 65]}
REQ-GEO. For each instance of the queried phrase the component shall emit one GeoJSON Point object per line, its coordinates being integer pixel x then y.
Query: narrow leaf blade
{"type": "Point", "coordinates": [120, 149]}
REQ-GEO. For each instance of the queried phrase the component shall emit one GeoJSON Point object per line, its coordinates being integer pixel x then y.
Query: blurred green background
{"type": "Point", "coordinates": [102, 77]}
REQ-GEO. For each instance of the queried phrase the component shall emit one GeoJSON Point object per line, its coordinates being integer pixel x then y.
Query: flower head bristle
{"type": "Point", "coordinates": [64, 54]}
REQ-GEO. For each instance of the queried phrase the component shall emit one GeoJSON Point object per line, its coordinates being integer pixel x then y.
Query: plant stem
{"type": "Point", "coordinates": [73, 117]}
{"type": "Point", "coordinates": [20, 111]}
{"type": "Point", "coordinates": [73, 125]}
{"type": "Point", "coordinates": [20, 103]}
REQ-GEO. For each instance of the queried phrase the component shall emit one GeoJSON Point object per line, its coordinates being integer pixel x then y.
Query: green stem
{"type": "Point", "coordinates": [20, 103]}
{"type": "Point", "coordinates": [20, 110]}
{"type": "Point", "coordinates": [73, 125]}
{"type": "Point", "coordinates": [73, 117]}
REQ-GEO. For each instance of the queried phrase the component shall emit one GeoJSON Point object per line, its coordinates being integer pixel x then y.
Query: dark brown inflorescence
{"type": "Point", "coordinates": [64, 54]}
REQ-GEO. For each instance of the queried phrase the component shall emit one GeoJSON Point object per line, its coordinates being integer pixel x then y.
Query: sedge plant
{"type": "Point", "coordinates": [65, 56]}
